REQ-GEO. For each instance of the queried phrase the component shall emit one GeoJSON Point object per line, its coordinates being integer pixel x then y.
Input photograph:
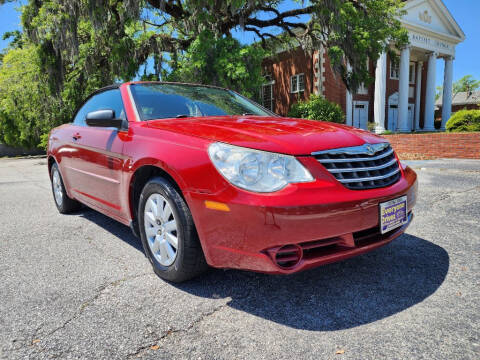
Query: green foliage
{"type": "Point", "coordinates": [438, 92]}
{"type": "Point", "coordinates": [358, 33]}
{"type": "Point", "coordinates": [317, 108]}
{"type": "Point", "coordinates": [223, 62]}
{"type": "Point", "coordinates": [464, 121]}
{"type": "Point", "coordinates": [122, 35]}
{"type": "Point", "coordinates": [77, 46]}
{"type": "Point", "coordinates": [16, 36]}
{"type": "Point", "coordinates": [74, 48]}
{"type": "Point", "coordinates": [466, 84]}
{"type": "Point", "coordinates": [371, 126]}
{"type": "Point", "coordinates": [43, 82]}
{"type": "Point", "coordinates": [27, 109]}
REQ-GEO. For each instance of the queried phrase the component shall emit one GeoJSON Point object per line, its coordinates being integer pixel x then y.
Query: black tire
{"type": "Point", "coordinates": [66, 205]}
{"type": "Point", "coordinates": [190, 260]}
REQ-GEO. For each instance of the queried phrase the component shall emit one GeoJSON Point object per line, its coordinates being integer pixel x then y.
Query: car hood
{"type": "Point", "coordinates": [276, 134]}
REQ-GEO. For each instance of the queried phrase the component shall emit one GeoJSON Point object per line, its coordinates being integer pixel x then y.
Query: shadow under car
{"type": "Point", "coordinates": [337, 296]}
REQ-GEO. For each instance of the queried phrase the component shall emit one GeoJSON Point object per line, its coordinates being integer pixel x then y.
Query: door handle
{"type": "Point", "coordinates": [77, 136]}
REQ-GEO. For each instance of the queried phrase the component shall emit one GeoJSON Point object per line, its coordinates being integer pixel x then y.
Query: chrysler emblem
{"type": "Point", "coordinates": [365, 149]}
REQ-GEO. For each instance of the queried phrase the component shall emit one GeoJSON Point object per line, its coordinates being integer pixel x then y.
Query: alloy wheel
{"type": "Point", "coordinates": [161, 229]}
{"type": "Point", "coordinates": [57, 187]}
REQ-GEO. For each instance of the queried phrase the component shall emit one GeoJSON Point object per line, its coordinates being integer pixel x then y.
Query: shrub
{"type": "Point", "coordinates": [464, 120]}
{"type": "Point", "coordinates": [371, 126]}
{"type": "Point", "coordinates": [317, 108]}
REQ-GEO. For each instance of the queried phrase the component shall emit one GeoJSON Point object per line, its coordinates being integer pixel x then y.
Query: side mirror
{"type": "Point", "coordinates": [105, 118]}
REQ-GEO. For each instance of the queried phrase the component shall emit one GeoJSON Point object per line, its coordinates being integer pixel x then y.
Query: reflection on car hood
{"type": "Point", "coordinates": [276, 134]}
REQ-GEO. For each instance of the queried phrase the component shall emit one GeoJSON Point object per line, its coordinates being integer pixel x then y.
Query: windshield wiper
{"type": "Point", "coordinates": [246, 114]}
{"type": "Point", "coordinates": [182, 116]}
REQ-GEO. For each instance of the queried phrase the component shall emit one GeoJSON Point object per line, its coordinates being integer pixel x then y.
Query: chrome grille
{"type": "Point", "coordinates": [368, 166]}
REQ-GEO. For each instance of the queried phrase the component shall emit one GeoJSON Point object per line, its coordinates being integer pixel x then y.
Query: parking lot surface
{"type": "Point", "coordinates": [79, 286]}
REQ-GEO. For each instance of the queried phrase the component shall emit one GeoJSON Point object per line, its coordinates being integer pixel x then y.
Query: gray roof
{"type": "Point", "coordinates": [463, 98]}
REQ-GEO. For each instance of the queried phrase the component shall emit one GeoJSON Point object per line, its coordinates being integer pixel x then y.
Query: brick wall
{"type": "Point", "coordinates": [335, 90]}
{"type": "Point", "coordinates": [455, 108]}
{"type": "Point", "coordinates": [436, 145]}
{"type": "Point", "coordinates": [281, 67]}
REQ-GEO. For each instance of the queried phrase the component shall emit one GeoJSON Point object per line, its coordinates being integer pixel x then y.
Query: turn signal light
{"type": "Point", "coordinates": [216, 206]}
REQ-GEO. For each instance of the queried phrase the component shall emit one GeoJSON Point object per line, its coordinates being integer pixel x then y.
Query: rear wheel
{"type": "Point", "coordinates": [168, 234]}
{"type": "Point", "coordinates": [64, 204]}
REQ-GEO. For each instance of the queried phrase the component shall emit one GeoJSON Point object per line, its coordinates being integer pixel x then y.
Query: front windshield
{"type": "Point", "coordinates": [162, 101]}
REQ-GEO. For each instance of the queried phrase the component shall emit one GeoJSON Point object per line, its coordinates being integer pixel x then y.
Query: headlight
{"type": "Point", "coordinates": [255, 170]}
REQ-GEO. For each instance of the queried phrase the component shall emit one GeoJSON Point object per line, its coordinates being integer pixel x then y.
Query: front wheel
{"type": "Point", "coordinates": [168, 234]}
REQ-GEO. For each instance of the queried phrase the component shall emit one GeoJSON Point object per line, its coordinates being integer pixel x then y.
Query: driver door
{"type": "Point", "coordinates": [98, 164]}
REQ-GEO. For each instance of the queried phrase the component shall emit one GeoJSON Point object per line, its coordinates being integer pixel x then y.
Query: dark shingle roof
{"type": "Point", "coordinates": [463, 98]}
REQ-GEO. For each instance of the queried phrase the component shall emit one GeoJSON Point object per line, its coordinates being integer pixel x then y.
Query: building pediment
{"type": "Point", "coordinates": [431, 17]}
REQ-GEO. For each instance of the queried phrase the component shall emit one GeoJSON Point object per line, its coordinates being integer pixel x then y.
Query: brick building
{"type": "Point", "coordinates": [402, 97]}
{"type": "Point", "coordinates": [462, 100]}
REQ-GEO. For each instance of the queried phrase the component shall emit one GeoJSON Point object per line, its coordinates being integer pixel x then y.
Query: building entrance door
{"type": "Point", "coordinates": [360, 114]}
{"type": "Point", "coordinates": [411, 116]}
{"type": "Point", "coordinates": [393, 112]}
{"type": "Point", "coordinates": [392, 117]}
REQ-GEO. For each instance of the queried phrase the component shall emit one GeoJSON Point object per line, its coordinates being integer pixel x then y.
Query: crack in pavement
{"type": "Point", "coordinates": [85, 304]}
{"type": "Point", "coordinates": [448, 194]}
{"type": "Point", "coordinates": [140, 351]}
{"type": "Point", "coordinates": [443, 170]}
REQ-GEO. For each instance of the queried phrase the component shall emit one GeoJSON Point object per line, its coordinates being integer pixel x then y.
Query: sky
{"type": "Point", "coordinates": [465, 13]}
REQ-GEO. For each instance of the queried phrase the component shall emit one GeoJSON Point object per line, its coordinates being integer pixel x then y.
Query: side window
{"type": "Point", "coordinates": [109, 99]}
{"type": "Point", "coordinates": [394, 70]}
{"type": "Point", "coordinates": [297, 83]}
{"type": "Point", "coordinates": [267, 93]}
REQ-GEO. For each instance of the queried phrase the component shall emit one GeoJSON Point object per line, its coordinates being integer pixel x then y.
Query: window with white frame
{"type": "Point", "coordinates": [394, 70]}
{"type": "Point", "coordinates": [297, 83]}
{"type": "Point", "coordinates": [267, 93]}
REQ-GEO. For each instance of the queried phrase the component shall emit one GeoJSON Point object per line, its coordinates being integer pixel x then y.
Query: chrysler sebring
{"type": "Point", "coordinates": [205, 176]}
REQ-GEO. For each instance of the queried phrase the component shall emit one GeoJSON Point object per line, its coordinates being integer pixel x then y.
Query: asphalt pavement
{"type": "Point", "coordinates": [79, 286]}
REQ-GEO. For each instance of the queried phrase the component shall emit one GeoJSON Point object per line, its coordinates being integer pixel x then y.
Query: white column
{"type": "Point", "coordinates": [380, 91]}
{"type": "Point", "coordinates": [418, 94]}
{"type": "Point", "coordinates": [349, 103]}
{"type": "Point", "coordinates": [447, 91]}
{"type": "Point", "coordinates": [430, 94]}
{"type": "Point", "coordinates": [403, 90]}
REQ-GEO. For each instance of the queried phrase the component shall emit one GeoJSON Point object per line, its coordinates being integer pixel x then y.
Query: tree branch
{"type": "Point", "coordinates": [158, 43]}
{"type": "Point", "coordinates": [172, 8]}
{"type": "Point", "coordinates": [156, 25]}
{"type": "Point", "coordinates": [261, 35]}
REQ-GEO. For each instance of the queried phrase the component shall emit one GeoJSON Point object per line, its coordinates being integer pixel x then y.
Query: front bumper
{"type": "Point", "coordinates": [328, 223]}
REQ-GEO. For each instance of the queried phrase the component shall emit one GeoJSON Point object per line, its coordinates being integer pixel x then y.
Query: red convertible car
{"type": "Point", "coordinates": [205, 177]}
